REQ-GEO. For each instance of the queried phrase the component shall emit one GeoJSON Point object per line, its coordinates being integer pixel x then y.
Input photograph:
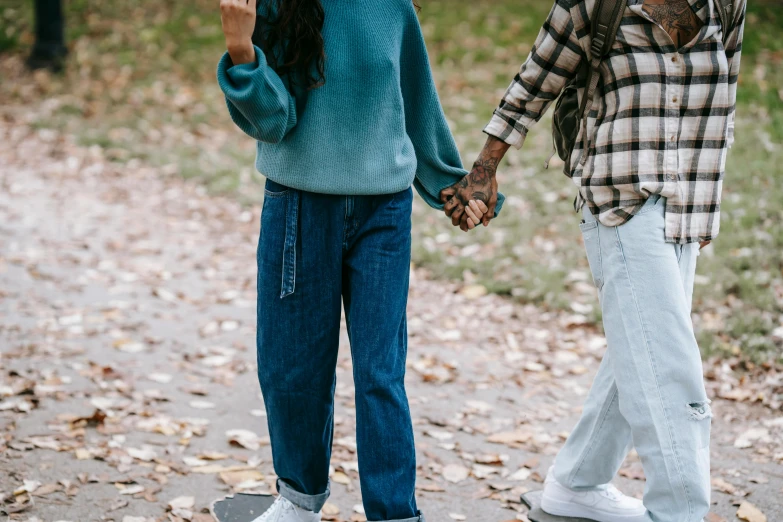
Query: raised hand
{"type": "Point", "coordinates": [239, 21]}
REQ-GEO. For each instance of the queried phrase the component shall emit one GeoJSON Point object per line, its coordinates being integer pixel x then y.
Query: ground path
{"type": "Point", "coordinates": [127, 337]}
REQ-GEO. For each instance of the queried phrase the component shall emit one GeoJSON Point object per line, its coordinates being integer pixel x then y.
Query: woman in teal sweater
{"type": "Point", "coordinates": [340, 97]}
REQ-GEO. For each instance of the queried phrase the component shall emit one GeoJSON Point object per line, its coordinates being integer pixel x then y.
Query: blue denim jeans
{"type": "Point", "coordinates": [314, 251]}
{"type": "Point", "coordinates": [649, 391]}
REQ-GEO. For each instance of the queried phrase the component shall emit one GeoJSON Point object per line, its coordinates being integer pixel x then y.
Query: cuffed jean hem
{"type": "Point", "coordinates": [312, 503]}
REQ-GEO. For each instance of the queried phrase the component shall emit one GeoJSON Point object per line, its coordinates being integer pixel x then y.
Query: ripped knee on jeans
{"type": "Point", "coordinates": [699, 410]}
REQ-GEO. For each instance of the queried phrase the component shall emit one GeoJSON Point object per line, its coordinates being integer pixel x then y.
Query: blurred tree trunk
{"type": "Point", "coordinates": [49, 49]}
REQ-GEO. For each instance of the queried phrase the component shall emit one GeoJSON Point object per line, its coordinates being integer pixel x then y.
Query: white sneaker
{"type": "Point", "coordinates": [604, 504]}
{"type": "Point", "coordinates": [283, 510]}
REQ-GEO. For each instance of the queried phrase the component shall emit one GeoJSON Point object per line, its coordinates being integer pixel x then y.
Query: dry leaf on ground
{"type": "Point", "coordinates": [750, 513]}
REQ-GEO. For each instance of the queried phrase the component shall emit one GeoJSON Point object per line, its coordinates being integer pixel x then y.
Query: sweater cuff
{"type": "Point", "coordinates": [505, 131]}
{"type": "Point", "coordinates": [237, 73]}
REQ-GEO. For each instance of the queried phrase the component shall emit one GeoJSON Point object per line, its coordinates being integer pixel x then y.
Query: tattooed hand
{"type": "Point", "coordinates": [476, 192]}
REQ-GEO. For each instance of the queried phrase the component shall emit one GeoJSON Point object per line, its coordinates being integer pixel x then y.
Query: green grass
{"type": "Point", "coordinates": [140, 86]}
{"type": "Point", "coordinates": [533, 252]}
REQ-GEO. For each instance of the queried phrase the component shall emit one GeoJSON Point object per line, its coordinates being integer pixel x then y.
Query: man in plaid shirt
{"type": "Point", "coordinates": [649, 182]}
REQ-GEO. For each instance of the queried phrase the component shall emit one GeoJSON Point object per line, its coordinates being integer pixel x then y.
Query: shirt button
{"type": "Point", "coordinates": [671, 139]}
{"type": "Point", "coordinates": [674, 59]}
{"type": "Point", "coordinates": [674, 99]}
{"type": "Point", "coordinates": [671, 177]}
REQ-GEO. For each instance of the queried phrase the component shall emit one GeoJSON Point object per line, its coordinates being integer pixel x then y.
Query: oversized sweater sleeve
{"type": "Point", "coordinates": [257, 98]}
{"type": "Point", "coordinates": [438, 162]}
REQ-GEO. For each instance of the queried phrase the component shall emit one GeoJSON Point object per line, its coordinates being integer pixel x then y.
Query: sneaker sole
{"type": "Point", "coordinates": [568, 509]}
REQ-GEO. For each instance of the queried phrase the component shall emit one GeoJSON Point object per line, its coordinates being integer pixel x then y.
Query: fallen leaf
{"type": "Point", "coordinates": [751, 436]}
{"type": "Point", "coordinates": [244, 438]}
{"type": "Point", "coordinates": [213, 455]}
{"type": "Point", "coordinates": [217, 468]}
{"type": "Point", "coordinates": [233, 478]}
{"type": "Point", "coordinates": [181, 503]}
{"type": "Point", "coordinates": [434, 488]}
{"type": "Point", "coordinates": [143, 454]}
{"type": "Point", "coordinates": [474, 291]}
{"type": "Point", "coordinates": [455, 473]}
{"type": "Point", "coordinates": [118, 503]}
{"type": "Point", "coordinates": [47, 489]}
{"type": "Point", "coordinates": [162, 378]}
{"type": "Point", "coordinates": [341, 478]}
{"type": "Point", "coordinates": [510, 437]}
{"type": "Point", "coordinates": [492, 459]}
{"type": "Point", "coordinates": [202, 405]}
{"type": "Point", "coordinates": [750, 513]}
{"type": "Point", "coordinates": [719, 484]}
{"type": "Point", "coordinates": [28, 486]}
{"type": "Point", "coordinates": [520, 474]}
{"type": "Point", "coordinates": [439, 435]}
{"type": "Point", "coordinates": [129, 490]}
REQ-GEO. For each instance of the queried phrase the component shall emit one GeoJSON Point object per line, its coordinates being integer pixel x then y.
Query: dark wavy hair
{"type": "Point", "coordinates": [290, 34]}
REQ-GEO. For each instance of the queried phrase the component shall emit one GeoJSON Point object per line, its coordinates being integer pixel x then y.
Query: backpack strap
{"type": "Point", "coordinates": [606, 18]}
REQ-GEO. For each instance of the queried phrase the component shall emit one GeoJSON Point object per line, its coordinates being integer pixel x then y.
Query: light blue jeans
{"type": "Point", "coordinates": [649, 391]}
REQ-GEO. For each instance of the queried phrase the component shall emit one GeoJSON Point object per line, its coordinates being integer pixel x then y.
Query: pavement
{"type": "Point", "coordinates": [128, 389]}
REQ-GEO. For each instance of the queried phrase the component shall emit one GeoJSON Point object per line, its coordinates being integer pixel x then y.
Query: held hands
{"type": "Point", "coordinates": [239, 21]}
{"type": "Point", "coordinates": [472, 199]}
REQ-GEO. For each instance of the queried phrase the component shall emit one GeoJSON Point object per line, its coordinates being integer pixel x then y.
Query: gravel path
{"type": "Point", "coordinates": [127, 303]}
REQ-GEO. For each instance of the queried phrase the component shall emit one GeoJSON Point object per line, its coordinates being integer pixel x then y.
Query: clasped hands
{"type": "Point", "coordinates": [472, 200]}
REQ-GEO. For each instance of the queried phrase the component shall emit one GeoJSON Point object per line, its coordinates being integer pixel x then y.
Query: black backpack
{"type": "Point", "coordinates": [569, 114]}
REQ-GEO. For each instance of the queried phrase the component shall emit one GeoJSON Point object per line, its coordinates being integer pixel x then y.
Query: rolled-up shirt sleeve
{"type": "Point", "coordinates": [552, 63]}
{"type": "Point", "coordinates": [733, 47]}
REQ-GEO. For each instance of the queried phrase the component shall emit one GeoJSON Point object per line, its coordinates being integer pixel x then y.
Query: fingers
{"type": "Point", "coordinates": [478, 208]}
{"type": "Point", "coordinates": [473, 214]}
{"type": "Point", "coordinates": [447, 193]}
{"type": "Point", "coordinates": [469, 220]}
{"type": "Point", "coordinates": [489, 215]}
{"type": "Point", "coordinates": [451, 205]}
{"type": "Point", "coordinates": [456, 215]}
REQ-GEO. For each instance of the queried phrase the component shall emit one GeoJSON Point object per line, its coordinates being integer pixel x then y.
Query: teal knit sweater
{"type": "Point", "coordinates": [376, 126]}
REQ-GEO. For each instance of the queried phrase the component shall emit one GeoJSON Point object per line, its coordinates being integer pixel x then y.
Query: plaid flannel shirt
{"type": "Point", "coordinates": [662, 118]}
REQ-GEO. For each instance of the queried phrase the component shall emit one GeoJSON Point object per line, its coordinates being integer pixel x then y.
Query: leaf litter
{"type": "Point", "coordinates": [487, 389]}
